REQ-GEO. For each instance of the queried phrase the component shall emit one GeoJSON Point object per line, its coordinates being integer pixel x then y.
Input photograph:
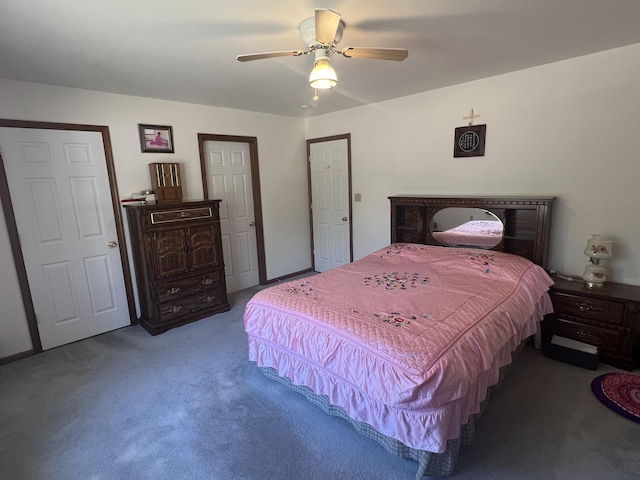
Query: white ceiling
{"type": "Point", "coordinates": [185, 50]}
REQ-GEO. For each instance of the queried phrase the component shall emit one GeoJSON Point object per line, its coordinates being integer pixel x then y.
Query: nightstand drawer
{"type": "Point", "coordinates": [602, 311]}
{"type": "Point", "coordinates": [607, 340]}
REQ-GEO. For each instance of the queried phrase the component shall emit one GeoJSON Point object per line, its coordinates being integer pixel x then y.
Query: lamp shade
{"type": "Point", "coordinates": [598, 246]}
{"type": "Point", "coordinates": [323, 76]}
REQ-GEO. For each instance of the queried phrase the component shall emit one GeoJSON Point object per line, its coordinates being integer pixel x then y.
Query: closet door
{"type": "Point", "coordinates": [330, 203]}
{"type": "Point", "coordinates": [229, 178]}
{"type": "Point", "coordinates": [61, 197]}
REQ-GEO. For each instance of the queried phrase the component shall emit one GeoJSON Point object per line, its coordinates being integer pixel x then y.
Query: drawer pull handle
{"type": "Point", "coordinates": [175, 309]}
{"type": "Point", "coordinates": [209, 299]}
{"type": "Point", "coordinates": [587, 307]}
{"type": "Point", "coordinates": [173, 291]}
{"type": "Point", "coordinates": [207, 281]}
{"type": "Point", "coordinates": [183, 214]}
{"type": "Point", "coordinates": [582, 333]}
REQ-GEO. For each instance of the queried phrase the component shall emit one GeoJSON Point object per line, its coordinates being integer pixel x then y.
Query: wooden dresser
{"type": "Point", "coordinates": [177, 254]}
{"type": "Point", "coordinates": [607, 317]}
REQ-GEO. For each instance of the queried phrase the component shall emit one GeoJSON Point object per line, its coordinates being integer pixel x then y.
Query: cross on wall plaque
{"type": "Point", "coordinates": [470, 117]}
{"type": "Point", "coordinates": [469, 141]}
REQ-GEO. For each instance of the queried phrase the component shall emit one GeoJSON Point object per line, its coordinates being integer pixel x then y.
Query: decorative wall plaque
{"type": "Point", "coordinates": [469, 141]}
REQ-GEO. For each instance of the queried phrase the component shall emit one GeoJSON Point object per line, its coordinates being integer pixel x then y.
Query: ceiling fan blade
{"type": "Point", "coordinates": [327, 23]}
{"type": "Point", "coordinates": [397, 54]}
{"type": "Point", "coordinates": [259, 56]}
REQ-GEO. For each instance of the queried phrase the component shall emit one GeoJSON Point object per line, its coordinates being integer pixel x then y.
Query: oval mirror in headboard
{"type": "Point", "coordinates": [468, 227]}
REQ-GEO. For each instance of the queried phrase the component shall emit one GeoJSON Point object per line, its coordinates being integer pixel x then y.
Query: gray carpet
{"type": "Point", "coordinates": [188, 405]}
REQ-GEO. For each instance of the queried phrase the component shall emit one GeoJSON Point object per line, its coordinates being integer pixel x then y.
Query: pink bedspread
{"type": "Point", "coordinates": [407, 339]}
{"type": "Point", "coordinates": [477, 233]}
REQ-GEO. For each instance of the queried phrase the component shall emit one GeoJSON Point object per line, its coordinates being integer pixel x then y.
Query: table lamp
{"type": "Point", "coordinates": [598, 247]}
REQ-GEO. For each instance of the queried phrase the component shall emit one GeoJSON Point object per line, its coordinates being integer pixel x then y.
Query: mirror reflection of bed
{"type": "Point", "coordinates": [466, 227]}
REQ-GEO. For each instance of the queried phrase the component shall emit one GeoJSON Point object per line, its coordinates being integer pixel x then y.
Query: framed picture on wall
{"type": "Point", "coordinates": [156, 138]}
{"type": "Point", "coordinates": [469, 141]}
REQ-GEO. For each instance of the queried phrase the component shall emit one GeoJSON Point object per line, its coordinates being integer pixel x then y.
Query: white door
{"type": "Point", "coordinates": [330, 203]}
{"type": "Point", "coordinates": [228, 172]}
{"type": "Point", "coordinates": [61, 198]}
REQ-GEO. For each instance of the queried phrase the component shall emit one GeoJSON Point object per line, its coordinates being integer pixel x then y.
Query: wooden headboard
{"type": "Point", "coordinates": [526, 220]}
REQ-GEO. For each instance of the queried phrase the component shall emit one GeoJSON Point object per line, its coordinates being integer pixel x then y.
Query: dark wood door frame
{"type": "Point", "coordinates": [14, 240]}
{"type": "Point", "coordinates": [255, 186]}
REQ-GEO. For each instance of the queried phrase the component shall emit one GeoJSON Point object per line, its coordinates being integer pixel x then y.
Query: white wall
{"type": "Point", "coordinates": [281, 152]}
{"type": "Point", "coordinates": [568, 129]}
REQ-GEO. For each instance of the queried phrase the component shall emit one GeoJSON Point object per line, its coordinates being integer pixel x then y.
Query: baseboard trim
{"type": "Point", "coordinates": [284, 277]}
{"type": "Point", "coordinates": [17, 356]}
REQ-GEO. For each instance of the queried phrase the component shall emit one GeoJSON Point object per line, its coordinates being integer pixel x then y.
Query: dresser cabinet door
{"type": "Point", "coordinates": [203, 247]}
{"type": "Point", "coordinates": [169, 253]}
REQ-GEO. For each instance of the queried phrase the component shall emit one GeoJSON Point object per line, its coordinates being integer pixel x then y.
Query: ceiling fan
{"type": "Point", "coordinates": [321, 34]}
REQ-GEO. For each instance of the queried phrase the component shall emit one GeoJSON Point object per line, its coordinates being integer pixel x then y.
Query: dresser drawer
{"type": "Point", "coordinates": [608, 340]}
{"type": "Point", "coordinates": [187, 306]}
{"type": "Point", "coordinates": [205, 282]}
{"type": "Point", "coordinates": [182, 214]}
{"type": "Point", "coordinates": [599, 311]}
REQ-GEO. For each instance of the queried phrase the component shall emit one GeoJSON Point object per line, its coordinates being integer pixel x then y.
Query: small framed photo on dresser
{"type": "Point", "coordinates": [156, 138]}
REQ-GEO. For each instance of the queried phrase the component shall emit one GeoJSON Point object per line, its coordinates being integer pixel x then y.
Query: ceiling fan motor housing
{"type": "Point", "coordinates": [308, 32]}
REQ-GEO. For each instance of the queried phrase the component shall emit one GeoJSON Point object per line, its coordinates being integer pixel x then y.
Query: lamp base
{"type": "Point", "coordinates": [594, 275]}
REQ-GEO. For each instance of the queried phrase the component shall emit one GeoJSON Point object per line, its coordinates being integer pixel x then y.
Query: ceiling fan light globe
{"type": "Point", "coordinates": [323, 76]}
{"type": "Point", "coordinates": [323, 84]}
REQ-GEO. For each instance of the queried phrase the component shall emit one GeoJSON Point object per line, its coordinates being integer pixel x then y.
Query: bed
{"type": "Point", "coordinates": [406, 343]}
{"type": "Point", "coordinates": [479, 233]}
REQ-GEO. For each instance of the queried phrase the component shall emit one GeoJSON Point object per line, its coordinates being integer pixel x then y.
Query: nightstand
{"type": "Point", "coordinates": [607, 317]}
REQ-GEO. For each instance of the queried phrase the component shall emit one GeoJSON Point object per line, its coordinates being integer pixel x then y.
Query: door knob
{"type": "Point", "coordinates": [112, 244]}
{"type": "Point", "coordinates": [252, 223]}
{"type": "Point", "coordinates": [344, 219]}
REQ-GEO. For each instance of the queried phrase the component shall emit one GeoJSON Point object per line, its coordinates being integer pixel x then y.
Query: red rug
{"type": "Point", "coordinates": [620, 392]}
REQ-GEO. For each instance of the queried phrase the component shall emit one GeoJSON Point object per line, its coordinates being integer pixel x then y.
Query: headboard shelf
{"type": "Point", "coordinates": [526, 220]}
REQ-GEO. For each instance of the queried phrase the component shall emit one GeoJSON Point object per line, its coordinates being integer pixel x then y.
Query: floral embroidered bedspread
{"type": "Point", "coordinates": [480, 233]}
{"type": "Point", "coordinates": [406, 339]}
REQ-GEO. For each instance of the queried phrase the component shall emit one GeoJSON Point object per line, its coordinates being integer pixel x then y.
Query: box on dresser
{"type": "Point", "coordinates": [177, 254]}
{"type": "Point", "coordinates": [607, 317]}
